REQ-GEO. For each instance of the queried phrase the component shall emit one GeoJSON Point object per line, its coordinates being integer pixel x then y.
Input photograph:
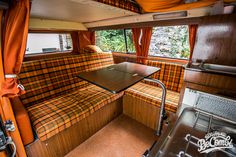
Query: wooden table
{"type": "Point", "coordinates": [119, 77]}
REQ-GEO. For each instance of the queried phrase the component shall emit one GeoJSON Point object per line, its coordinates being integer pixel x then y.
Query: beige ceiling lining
{"type": "Point", "coordinates": [45, 24]}
{"type": "Point", "coordinates": [148, 17]}
{"type": "Point", "coordinates": [76, 10]}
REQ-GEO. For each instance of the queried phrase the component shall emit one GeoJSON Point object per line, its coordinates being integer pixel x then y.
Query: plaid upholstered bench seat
{"type": "Point", "coordinates": [54, 115]}
{"type": "Point", "coordinates": [55, 97]}
{"type": "Point", "coordinates": [143, 100]}
{"type": "Point", "coordinates": [152, 95]}
{"type": "Point", "coordinates": [171, 75]}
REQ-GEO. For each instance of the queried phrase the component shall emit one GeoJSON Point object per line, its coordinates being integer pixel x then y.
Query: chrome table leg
{"type": "Point", "coordinates": [162, 108]}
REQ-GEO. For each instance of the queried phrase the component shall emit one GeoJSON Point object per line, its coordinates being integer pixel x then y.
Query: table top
{"type": "Point", "coordinates": [119, 77]}
{"type": "Point", "coordinates": [134, 68]}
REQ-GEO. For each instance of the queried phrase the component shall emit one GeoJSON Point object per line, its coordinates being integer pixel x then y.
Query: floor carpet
{"type": "Point", "coordinates": [123, 137]}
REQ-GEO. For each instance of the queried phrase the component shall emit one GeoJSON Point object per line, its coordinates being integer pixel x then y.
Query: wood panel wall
{"type": "Point", "coordinates": [216, 40]}
{"type": "Point", "coordinates": [143, 112]}
{"type": "Point", "coordinates": [223, 82]}
{"type": "Point", "coordinates": [216, 44]}
{"type": "Point", "coordinates": [224, 85]}
{"type": "Point", "coordinates": [65, 141]}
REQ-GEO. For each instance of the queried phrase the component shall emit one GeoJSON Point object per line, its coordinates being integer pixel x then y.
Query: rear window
{"type": "Point", "coordinates": [48, 42]}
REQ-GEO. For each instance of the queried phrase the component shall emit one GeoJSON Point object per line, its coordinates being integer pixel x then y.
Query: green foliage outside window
{"type": "Point", "coordinates": [130, 42]}
{"type": "Point", "coordinates": [114, 40]}
{"type": "Point", "coordinates": [170, 41]}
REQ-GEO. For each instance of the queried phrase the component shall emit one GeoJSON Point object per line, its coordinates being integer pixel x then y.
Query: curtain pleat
{"type": "Point", "coordinates": [142, 38]}
{"type": "Point", "coordinates": [86, 38]}
{"type": "Point", "coordinates": [192, 38]}
{"type": "Point", "coordinates": [14, 45]}
{"type": "Point", "coordinates": [75, 41]}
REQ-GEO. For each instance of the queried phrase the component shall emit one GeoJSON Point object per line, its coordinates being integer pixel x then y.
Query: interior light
{"type": "Point", "coordinates": [169, 15]}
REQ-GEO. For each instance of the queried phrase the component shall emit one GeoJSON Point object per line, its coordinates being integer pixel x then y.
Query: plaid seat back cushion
{"type": "Point", "coordinates": [171, 74]}
{"type": "Point", "coordinates": [52, 77]}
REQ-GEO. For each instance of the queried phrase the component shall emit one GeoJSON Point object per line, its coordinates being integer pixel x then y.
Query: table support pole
{"type": "Point", "coordinates": [162, 108]}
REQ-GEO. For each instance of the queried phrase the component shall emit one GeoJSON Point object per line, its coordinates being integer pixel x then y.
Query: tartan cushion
{"type": "Point", "coordinates": [171, 74]}
{"type": "Point", "coordinates": [152, 95]}
{"type": "Point", "coordinates": [49, 78]}
{"type": "Point", "coordinates": [56, 114]}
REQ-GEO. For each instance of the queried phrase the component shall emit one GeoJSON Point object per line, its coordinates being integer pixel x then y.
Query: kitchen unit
{"type": "Point", "coordinates": [208, 97]}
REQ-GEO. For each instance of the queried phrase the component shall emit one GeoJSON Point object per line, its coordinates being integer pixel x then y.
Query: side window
{"type": "Point", "coordinates": [170, 41]}
{"type": "Point", "coordinates": [130, 42]}
{"type": "Point", "coordinates": [48, 42]}
{"type": "Point", "coordinates": [115, 40]}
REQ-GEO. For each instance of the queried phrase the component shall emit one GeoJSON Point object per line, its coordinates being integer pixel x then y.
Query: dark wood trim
{"type": "Point", "coordinates": [223, 82]}
{"type": "Point", "coordinates": [216, 40]}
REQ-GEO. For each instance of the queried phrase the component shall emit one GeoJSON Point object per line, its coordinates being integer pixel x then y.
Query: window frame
{"type": "Point", "coordinates": [164, 57]}
{"type": "Point", "coordinates": [174, 58]}
{"type": "Point", "coordinates": [33, 55]}
{"type": "Point", "coordinates": [127, 52]}
{"type": "Point", "coordinates": [125, 40]}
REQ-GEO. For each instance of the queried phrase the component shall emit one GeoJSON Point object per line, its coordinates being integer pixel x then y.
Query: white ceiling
{"type": "Point", "coordinates": [76, 10]}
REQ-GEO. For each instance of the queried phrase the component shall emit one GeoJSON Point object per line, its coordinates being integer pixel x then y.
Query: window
{"type": "Point", "coordinates": [115, 40]}
{"type": "Point", "coordinates": [171, 41]}
{"type": "Point", "coordinates": [130, 42]}
{"type": "Point", "coordinates": [48, 42]}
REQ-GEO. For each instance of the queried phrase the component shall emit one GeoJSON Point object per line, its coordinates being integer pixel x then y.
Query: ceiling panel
{"type": "Point", "coordinates": [76, 10]}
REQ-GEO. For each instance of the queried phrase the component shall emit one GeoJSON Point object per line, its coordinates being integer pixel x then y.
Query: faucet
{"type": "Point", "coordinates": [202, 63]}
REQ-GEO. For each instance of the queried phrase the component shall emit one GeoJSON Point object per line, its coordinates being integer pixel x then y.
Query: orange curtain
{"type": "Point", "coordinates": [14, 45]}
{"type": "Point", "coordinates": [142, 38]}
{"type": "Point", "coordinates": [86, 38]}
{"type": "Point", "coordinates": [75, 41]}
{"type": "Point", "coordinates": [173, 5]}
{"type": "Point", "coordinates": [11, 57]}
{"type": "Point", "coordinates": [192, 38]}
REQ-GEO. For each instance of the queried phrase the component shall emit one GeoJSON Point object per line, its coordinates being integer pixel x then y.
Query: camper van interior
{"type": "Point", "coordinates": [118, 78]}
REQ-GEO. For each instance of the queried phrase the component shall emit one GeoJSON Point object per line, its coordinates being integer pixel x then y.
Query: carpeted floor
{"type": "Point", "coordinates": [123, 137]}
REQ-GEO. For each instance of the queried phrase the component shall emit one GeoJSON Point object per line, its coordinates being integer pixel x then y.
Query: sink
{"type": "Point", "coordinates": [219, 68]}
